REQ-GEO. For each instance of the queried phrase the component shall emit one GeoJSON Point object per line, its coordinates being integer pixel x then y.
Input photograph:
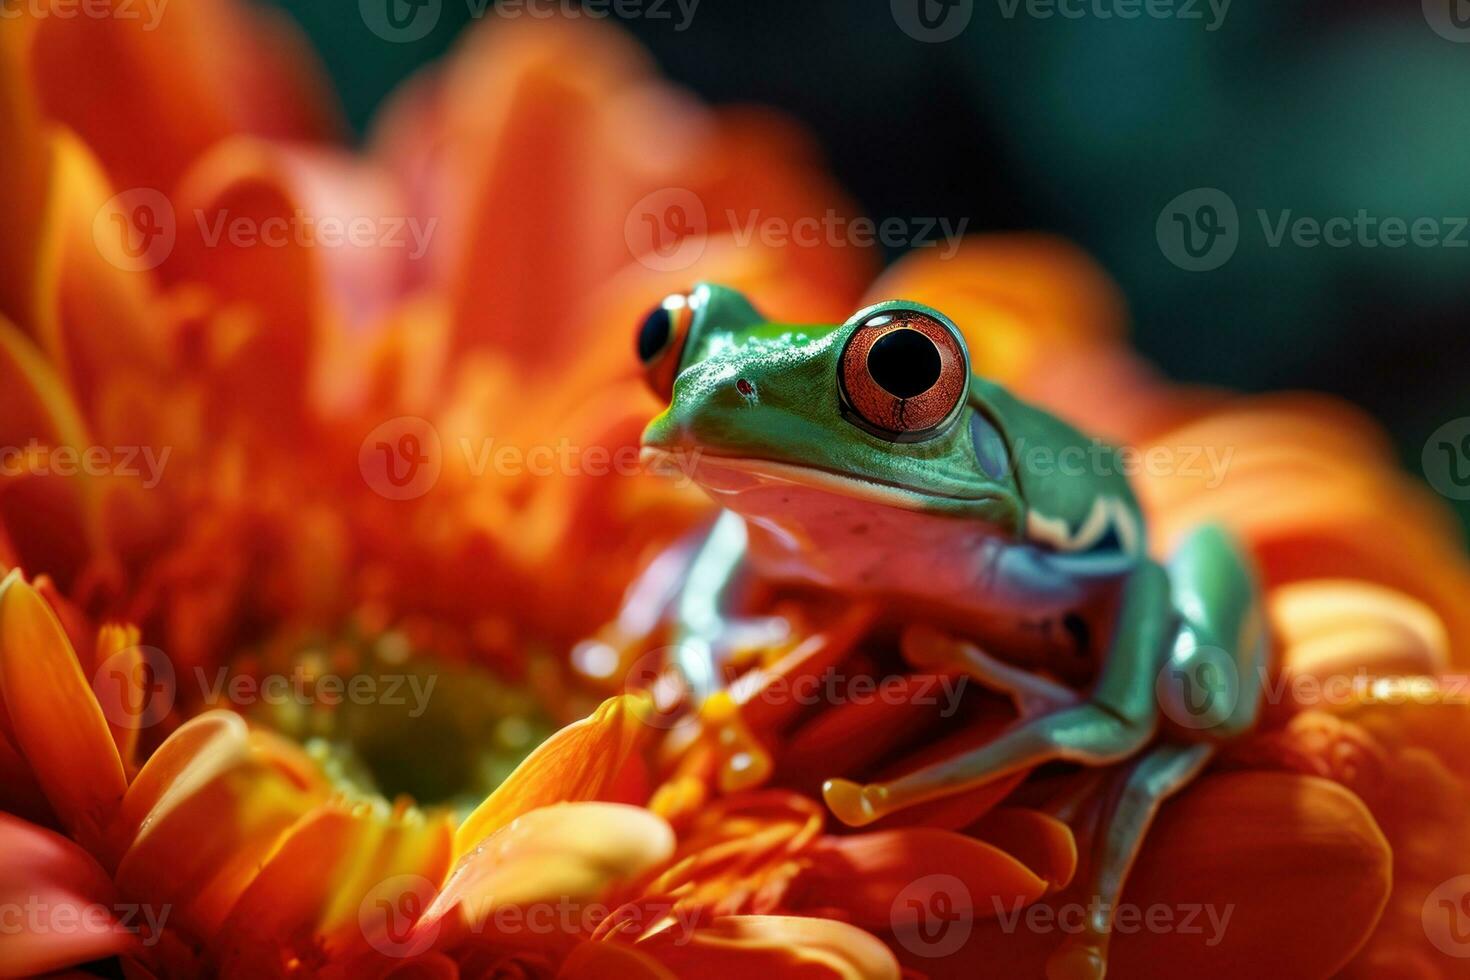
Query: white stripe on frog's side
{"type": "Point", "coordinates": [1107, 512]}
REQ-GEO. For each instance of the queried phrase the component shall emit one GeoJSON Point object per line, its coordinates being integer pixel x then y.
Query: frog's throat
{"type": "Point", "coordinates": [723, 476]}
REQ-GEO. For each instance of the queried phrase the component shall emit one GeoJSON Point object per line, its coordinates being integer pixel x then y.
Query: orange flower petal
{"type": "Point", "coordinates": [1017, 298]}
{"type": "Point", "coordinates": [1293, 870]}
{"type": "Point", "coordinates": [321, 894]}
{"type": "Point", "coordinates": [779, 947]}
{"type": "Point", "coordinates": [219, 803]}
{"type": "Point", "coordinates": [597, 961]}
{"type": "Point", "coordinates": [23, 165]}
{"type": "Point", "coordinates": [864, 875]}
{"type": "Point", "coordinates": [1341, 627]}
{"type": "Point", "coordinates": [56, 721]}
{"type": "Point", "coordinates": [1292, 856]}
{"type": "Point", "coordinates": [1038, 840]}
{"type": "Point", "coordinates": [572, 852]}
{"type": "Point", "coordinates": [596, 758]}
{"type": "Point", "coordinates": [188, 74]}
{"type": "Point", "coordinates": [51, 521]}
{"type": "Point", "coordinates": [59, 904]}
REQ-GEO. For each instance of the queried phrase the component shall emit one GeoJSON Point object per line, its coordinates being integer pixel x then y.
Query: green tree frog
{"type": "Point", "coordinates": [866, 458]}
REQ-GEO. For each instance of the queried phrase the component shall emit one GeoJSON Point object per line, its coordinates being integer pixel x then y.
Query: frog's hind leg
{"type": "Point", "coordinates": [1216, 672]}
{"type": "Point", "coordinates": [1120, 831]}
{"type": "Point", "coordinates": [1117, 720]}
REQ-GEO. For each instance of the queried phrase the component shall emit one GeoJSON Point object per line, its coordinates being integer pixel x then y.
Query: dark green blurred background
{"type": "Point", "coordinates": [1090, 126]}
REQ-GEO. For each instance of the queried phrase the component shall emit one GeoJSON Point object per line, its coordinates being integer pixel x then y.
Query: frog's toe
{"type": "Point", "coordinates": [852, 803]}
{"type": "Point", "coordinates": [1077, 962]}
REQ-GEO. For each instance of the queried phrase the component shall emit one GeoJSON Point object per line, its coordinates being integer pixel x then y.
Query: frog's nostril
{"type": "Point", "coordinates": [745, 387]}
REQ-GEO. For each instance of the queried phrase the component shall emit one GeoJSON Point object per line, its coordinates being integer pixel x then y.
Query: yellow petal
{"type": "Point", "coordinates": [218, 809]}
{"type": "Point", "coordinates": [776, 947]}
{"type": "Point", "coordinates": [57, 723]}
{"type": "Point", "coordinates": [324, 891]}
{"type": "Point", "coordinates": [1340, 626]}
{"type": "Point", "coordinates": [571, 852]}
{"type": "Point", "coordinates": [587, 760]}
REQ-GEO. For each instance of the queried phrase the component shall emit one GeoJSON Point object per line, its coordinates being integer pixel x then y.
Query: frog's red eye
{"type": "Point", "coordinates": [904, 375]}
{"type": "Point", "coordinates": [661, 340]}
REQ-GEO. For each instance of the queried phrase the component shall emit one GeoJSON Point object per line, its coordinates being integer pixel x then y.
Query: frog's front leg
{"type": "Point", "coordinates": [701, 608]}
{"type": "Point", "coordinates": [1120, 717]}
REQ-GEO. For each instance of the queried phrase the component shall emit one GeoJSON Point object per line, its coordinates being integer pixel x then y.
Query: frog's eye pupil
{"type": "Point", "coordinates": [653, 336]}
{"type": "Point", "coordinates": [905, 363]}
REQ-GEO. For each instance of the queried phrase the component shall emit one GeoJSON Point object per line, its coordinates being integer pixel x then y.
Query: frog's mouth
{"type": "Point", "coordinates": [728, 477]}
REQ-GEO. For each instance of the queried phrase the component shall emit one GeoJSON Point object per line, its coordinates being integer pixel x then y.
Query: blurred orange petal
{"type": "Point", "coordinates": [56, 722]}
{"type": "Point", "coordinates": [186, 72]}
{"type": "Point", "coordinates": [1017, 298]}
{"type": "Point", "coordinates": [60, 906]}
{"type": "Point", "coordinates": [1343, 626]}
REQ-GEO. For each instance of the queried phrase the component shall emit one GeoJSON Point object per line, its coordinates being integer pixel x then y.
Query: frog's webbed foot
{"type": "Point", "coordinates": [1089, 734]}
{"type": "Point", "coordinates": [926, 648]}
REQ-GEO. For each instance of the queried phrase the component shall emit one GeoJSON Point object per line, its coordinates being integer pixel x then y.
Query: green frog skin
{"type": "Point", "coordinates": [867, 459]}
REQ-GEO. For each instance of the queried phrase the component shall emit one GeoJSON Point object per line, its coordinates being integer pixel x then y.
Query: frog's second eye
{"type": "Point", "coordinates": [903, 375]}
{"type": "Point", "coordinates": [661, 340]}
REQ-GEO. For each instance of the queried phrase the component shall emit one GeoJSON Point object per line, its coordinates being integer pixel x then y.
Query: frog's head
{"type": "Point", "coordinates": [879, 408]}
